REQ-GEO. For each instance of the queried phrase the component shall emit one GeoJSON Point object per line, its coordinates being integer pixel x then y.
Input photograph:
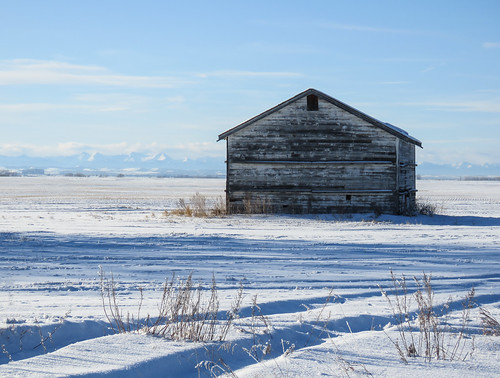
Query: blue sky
{"type": "Point", "coordinates": [148, 76]}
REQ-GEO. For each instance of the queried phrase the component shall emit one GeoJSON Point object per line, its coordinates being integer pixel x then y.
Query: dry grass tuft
{"type": "Point", "coordinates": [184, 312]}
{"type": "Point", "coordinates": [425, 208]}
{"type": "Point", "coordinates": [257, 206]}
{"type": "Point", "coordinates": [490, 325]}
{"type": "Point", "coordinates": [199, 206]}
{"type": "Point", "coordinates": [422, 207]}
{"type": "Point", "coordinates": [427, 333]}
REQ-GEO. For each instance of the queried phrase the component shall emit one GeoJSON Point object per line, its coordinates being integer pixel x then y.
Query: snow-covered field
{"type": "Point", "coordinates": [55, 233]}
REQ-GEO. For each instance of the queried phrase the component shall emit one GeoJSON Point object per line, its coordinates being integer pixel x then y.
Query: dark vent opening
{"type": "Point", "coordinates": [348, 197]}
{"type": "Point", "coordinates": [312, 102]}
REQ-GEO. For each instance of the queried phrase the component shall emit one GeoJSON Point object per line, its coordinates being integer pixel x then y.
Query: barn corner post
{"type": "Point", "coordinates": [407, 188]}
{"type": "Point", "coordinates": [397, 185]}
{"type": "Point", "coordinates": [228, 203]}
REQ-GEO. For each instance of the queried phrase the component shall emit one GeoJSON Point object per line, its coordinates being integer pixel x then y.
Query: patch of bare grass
{"type": "Point", "coordinates": [199, 206]}
{"type": "Point", "coordinates": [422, 207]}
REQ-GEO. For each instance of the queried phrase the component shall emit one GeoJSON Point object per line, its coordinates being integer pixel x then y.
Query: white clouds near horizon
{"type": "Point", "coordinates": [190, 150]}
{"type": "Point", "coordinates": [446, 152]}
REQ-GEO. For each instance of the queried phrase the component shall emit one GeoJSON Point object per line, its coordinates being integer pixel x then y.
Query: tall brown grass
{"type": "Point", "coordinates": [427, 333]}
{"type": "Point", "coordinates": [199, 206]}
{"type": "Point", "coordinates": [185, 311]}
{"type": "Point", "coordinates": [490, 325]}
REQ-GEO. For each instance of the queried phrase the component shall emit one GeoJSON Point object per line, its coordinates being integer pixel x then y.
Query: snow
{"type": "Point", "coordinates": [55, 233]}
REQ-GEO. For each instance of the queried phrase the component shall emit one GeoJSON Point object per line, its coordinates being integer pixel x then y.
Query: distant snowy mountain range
{"type": "Point", "coordinates": [128, 164]}
{"type": "Point", "coordinates": [142, 164]}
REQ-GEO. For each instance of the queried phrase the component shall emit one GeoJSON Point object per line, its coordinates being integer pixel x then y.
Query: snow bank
{"type": "Point", "coordinates": [56, 232]}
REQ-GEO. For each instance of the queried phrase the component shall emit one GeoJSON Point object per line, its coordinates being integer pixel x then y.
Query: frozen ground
{"type": "Point", "coordinates": [55, 232]}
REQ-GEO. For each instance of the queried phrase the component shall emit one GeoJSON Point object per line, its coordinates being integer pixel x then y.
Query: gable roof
{"type": "Point", "coordinates": [400, 133]}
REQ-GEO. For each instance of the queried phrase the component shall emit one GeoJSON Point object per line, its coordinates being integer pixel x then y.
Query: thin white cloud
{"type": "Point", "coordinates": [109, 98]}
{"type": "Point", "coordinates": [40, 107]}
{"type": "Point", "coordinates": [112, 109]}
{"type": "Point", "coordinates": [491, 45]}
{"type": "Point", "coordinates": [33, 64]}
{"type": "Point", "coordinates": [481, 106]}
{"type": "Point", "coordinates": [209, 149]}
{"type": "Point", "coordinates": [88, 102]}
{"type": "Point", "coordinates": [364, 28]}
{"type": "Point", "coordinates": [231, 73]}
{"type": "Point", "coordinates": [44, 107]}
{"type": "Point", "coordinates": [393, 82]}
{"type": "Point", "coordinates": [282, 48]}
{"type": "Point", "coordinates": [418, 59]}
{"type": "Point", "coordinates": [107, 102]}
{"type": "Point", "coordinates": [468, 140]}
{"type": "Point", "coordinates": [176, 99]}
{"type": "Point", "coordinates": [471, 106]}
{"type": "Point", "coordinates": [111, 52]}
{"type": "Point", "coordinates": [25, 72]}
{"type": "Point", "coordinates": [433, 67]}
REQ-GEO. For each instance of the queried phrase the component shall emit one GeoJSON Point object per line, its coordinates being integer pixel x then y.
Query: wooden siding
{"type": "Point", "coordinates": [320, 161]}
{"type": "Point", "coordinates": [311, 203]}
{"type": "Point", "coordinates": [317, 177]}
{"type": "Point", "coordinates": [328, 134]}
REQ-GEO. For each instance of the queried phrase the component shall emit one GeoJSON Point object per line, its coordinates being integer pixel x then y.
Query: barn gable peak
{"type": "Point", "coordinates": [312, 96]}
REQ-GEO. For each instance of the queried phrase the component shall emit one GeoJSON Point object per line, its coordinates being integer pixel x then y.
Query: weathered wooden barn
{"type": "Point", "coordinates": [315, 154]}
